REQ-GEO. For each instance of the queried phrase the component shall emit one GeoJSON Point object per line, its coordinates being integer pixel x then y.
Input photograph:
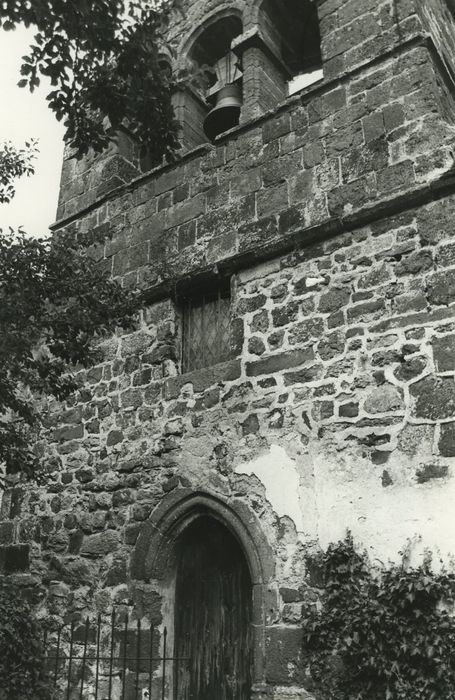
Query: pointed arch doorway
{"type": "Point", "coordinates": [212, 614]}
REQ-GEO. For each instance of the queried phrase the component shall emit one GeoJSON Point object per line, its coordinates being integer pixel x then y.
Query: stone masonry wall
{"type": "Point", "coordinates": [326, 156]}
{"type": "Point", "coordinates": [344, 382]}
{"type": "Point", "coordinates": [353, 33]}
{"type": "Point", "coordinates": [332, 216]}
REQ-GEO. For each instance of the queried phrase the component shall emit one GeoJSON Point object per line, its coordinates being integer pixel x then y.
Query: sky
{"type": "Point", "coordinates": [24, 115]}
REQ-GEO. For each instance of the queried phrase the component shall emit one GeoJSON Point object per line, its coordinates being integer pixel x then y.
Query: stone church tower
{"type": "Point", "coordinates": [292, 376]}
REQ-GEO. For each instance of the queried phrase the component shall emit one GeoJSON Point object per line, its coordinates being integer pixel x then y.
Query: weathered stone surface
{"type": "Point", "coordinates": [100, 544]}
{"type": "Point", "coordinates": [434, 398]}
{"type": "Point", "coordinates": [334, 299]}
{"type": "Point", "coordinates": [302, 376]}
{"type": "Point", "coordinates": [6, 532]}
{"type": "Point", "coordinates": [284, 315]}
{"type": "Point", "coordinates": [250, 425]}
{"type": "Point", "coordinates": [383, 399]}
{"type": "Point", "coordinates": [117, 572]}
{"type": "Point", "coordinates": [415, 263]}
{"type": "Point", "coordinates": [256, 346]}
{"type": "Point", "coordinates": [428, 472]}
{"type": "Point", "coordinates": [14, 558]}
{"type": "Point", "coordinates": [444, 353]}
{"type": "Point", "coordinates": [410, 369]}
{"type": "Point", "coordinates": [446, 442]}
{"type": "Point", "coordinates": [77, 572]}
{"type": "Point", "coordinates": [441, 288]}
{"type": "Point", "coordinates": [278, 362]}
{"type": "Point", "coordinates": [284, 665]}
{"type": "Point", "coordinates": [331, 346]}
{"type": "Point", "coordinates": [290, 595]}
{"type": "Point", "coordinates": [203, 378]}
{"type": "Point", "coordinates": [250, 304]}
{"type": "Point", "coordinates": [386, 479]}
{"type": "Point", "coordinates": [292, 613]}
{"type": "Point", "coordinates": [367, 311]}
{"type": "Point", "coordinates": [304, 331]}
{"type": "Point", "coordinates": [349, 410]}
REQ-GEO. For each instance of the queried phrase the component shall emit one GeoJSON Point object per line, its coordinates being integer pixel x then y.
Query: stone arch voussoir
{"type": "Point", "coordinates": [156, 542]}
{"type": "Point", "coordinates": [228, 9]}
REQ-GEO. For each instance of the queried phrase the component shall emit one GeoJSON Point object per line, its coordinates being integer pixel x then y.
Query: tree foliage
{"type": "Point", "coordinates": [384, 634]}
{"type": "Point", "coordinates": [21, 649]}
{"type": "Point", "coordinates": [14, 163]}
{"type": "Point", "coordinates": [104, 62]}
{"type": "Point", "coordinates": [55, 299]}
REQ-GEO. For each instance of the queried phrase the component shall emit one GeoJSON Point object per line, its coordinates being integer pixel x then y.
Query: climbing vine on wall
{"type": "Point", "coordinates": [22, 674]}
{"type": "Point", "coordinates": [383, 633]}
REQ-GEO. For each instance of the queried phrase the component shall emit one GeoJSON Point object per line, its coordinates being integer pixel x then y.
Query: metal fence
{"type": "Point", "coordinates": [118, 660]}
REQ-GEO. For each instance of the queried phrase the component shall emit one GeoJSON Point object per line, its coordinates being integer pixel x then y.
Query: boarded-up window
{"type": "Point", "coordinates": [206, 329]}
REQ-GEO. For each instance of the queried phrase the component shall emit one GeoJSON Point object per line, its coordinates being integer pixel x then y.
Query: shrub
{"type": "Point", "coordinates": [22, 674]}
{"type": "Point", "coordinates": [385, 633]}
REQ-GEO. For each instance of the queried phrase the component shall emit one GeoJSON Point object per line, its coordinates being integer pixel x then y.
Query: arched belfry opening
{"type": "Point", "coordinates": [212, 100]}
{"type": "Point", "coordinates": [212, 615]}
{"type": "Point", "coordinates": [290, 29]}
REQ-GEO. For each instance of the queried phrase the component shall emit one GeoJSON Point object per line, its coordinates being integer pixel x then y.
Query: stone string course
{"type": "Point", "coordinates": [343, 346]}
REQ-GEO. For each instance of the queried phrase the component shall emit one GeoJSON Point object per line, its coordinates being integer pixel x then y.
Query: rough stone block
{"type": "Point", "coordinates": [279, 362]}
{"type": "Point", "coordinates": [396, 177]}
{"type": "Point", "coordinates": [250, 425]}
{"type": "Point", "coordinates": [284, 660]}
{"type": "Point", "coordinates": [302, 376]}
{"type": "Point", "coordinates": [100, 544]}
{"type": "Point", "coordinates": [6, 532]}
{"type": "Point", "coordinates": [367, 311]}
{"type": "Point", "coordinates": [185, 211]}
{"type": "Point", "coordinates": [349, 410]}
{"type": "Point", "coordinates": [410, 369]}
{"type": "Point", "coordinates": [370, 157]}
{"type": "Point", "coordinates": [416, 263]}
{"type": "Point", "coordinates": [446, 442]}
{"type": "Point", "coordinates": [66, 433]}
{"type": "Point", "coordinates": [373, 126]}
{"type": "Point", "coordinates": [283, 315]}
{"type": "Point", "coordinates": [383, 399]}
{"type": "Point", "coordinates": [331, 345]}
{"type": "Point", "coordinates": [434, 398]}
{"type": "Point", "coordinates": [272, 200]}
{"type": "Point", "coordinates": [444, 353]}
{"type": "Point", "coordinates": [306, 331]}
{"type": "Point", "coordinates": [14, 558]}
{"type": "Point", "coordinates": [334, 299]}
{"type": "Point", "coordinates": [274, 128]}
{"type": "Point", "coordinates": [428, 472]}
{"type": "Point", "coordinates": [203, 378]}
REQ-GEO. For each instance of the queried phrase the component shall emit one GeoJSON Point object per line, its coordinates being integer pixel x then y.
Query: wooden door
{"type": "Point", "coordinates": [212, 615]}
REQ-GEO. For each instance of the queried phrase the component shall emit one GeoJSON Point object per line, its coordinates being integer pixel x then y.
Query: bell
{"type": "Point", "coordinates": [226, 112]}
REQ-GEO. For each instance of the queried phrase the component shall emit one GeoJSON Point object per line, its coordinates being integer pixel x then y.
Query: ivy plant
{"type": "Point", "coordinates": [22, 668]}
{"type": "Point", "coordinates": [383, 633]}
{"type": "Point", "coordinates": [56, 301]}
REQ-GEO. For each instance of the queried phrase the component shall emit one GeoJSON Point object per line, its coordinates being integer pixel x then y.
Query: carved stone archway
{"type": "Point", "coordinates": [154, 556]}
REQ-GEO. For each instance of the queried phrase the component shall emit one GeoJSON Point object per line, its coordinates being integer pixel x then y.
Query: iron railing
{"type": "Point", "coordinates": [109, 661]}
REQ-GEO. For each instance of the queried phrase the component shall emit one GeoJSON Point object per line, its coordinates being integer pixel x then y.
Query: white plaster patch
{"type": "Point", "coordinates": [279, 474]}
